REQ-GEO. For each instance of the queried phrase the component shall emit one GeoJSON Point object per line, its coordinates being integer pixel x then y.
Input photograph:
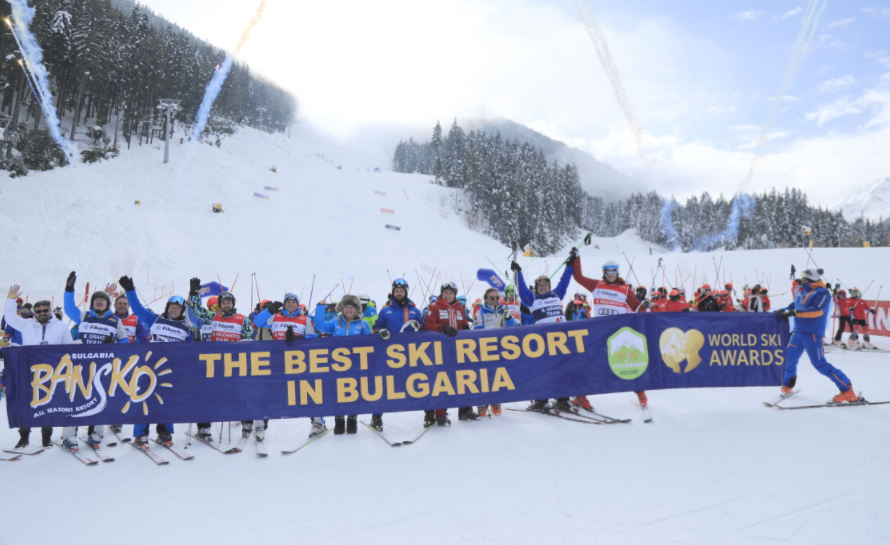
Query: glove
{"type": "Point", "coordinates": [572, 255]}
{"type": "Point", "coordinates": [126, 283]}
{"type": "Point", "coordinates": [384, 334]}
{"type": "Point", "coordinates": [109, 339]}
{"type": "Point", "coordinates": [505, 312]}
{"type": "Point", "coordinates": [289, 336]}
{"type": "Point", "coordinates": [514, 266]}
{"type": "Point", "coordinates": [414, 324]}
{"type": "Point", "coordinates": [448, 330]}
{"type": "Point", "coordinates": [69, 284]}
{"type": "Point", "coordinates": [873, 311]}
{"type": "Point", "coordinates": [587, 239]}
{"type": "Point", "coordinates": [646, 304]}
{"type": "Point", "coordinates": [275, 307]}
{"type": "Point", "coordinates": [194, 286]}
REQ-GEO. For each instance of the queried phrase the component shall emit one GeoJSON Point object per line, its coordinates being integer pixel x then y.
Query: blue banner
{"type": "Point", "coordinates": [206, 382]}
{"type": "Point", "coordinates": [492, 278]}
{"type": "Point", "coordinates": [211, 288]}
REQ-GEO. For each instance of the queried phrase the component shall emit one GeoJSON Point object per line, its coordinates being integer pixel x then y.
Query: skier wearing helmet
{"type": "Point", "coordinates": [843, 312]}
{"type": "Point", "coordinates": [611, 297]}
{"type": "Point", "coordinates": [447, 315]}
{"type": "Point", "coordinates": [858, 310]}
{"type": "Point", "coordinates": [227, 325]}
{"type": "Point", "coordinates": [708, 302]}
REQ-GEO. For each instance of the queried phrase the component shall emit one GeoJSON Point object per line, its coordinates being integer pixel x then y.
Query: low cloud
{"type": "Point", "coordinates": [836, 84]}
{"type": "Point", "coordinates": [878, 13]}
{"type": "Point", "coordinates": [842, 23]}
{"type": "Point", "coordinates": [793, 13]}
{"type": "Point", "coordinates": [748, 16]}
{"type": "Point", "coordinates": [833, 110]}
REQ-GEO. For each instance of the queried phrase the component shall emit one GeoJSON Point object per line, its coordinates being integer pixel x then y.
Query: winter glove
{"type": "Point", "coordinates": [109, 339]}
{"type": "Point", "coordinates": [194, 286]}
{"type": "Point", "coordinates": [69, 284]}
{"type": "Point", "coordinates": [448, 330]}
{"type": "Point", "coordinates": [572, 255]}
{"type": "Point", "coordinates": [587, 239]}
{"type": "Point", "coordinates": [873, 311]}
{"type": "Point", "coordinates": [289, 336]}
{"type": "Point", "coordinates": [646, 304]}
{"type": "Point", "coordinates": [466, 326]}
{"type": "Point", "coordinates": [505, 312]}
{"type": "Point", "coordinates": [514, 266]}
{"type": "Point", "coordinates": [414, 324]}
{"type": "Point", "coordinates": [785, 314]}
{"type": "Point", "coordinates": [384, 334]}
{"type": "Point", "coordinates": [275, 307]}
{"type": "Point", "coordinates": [126, 283]}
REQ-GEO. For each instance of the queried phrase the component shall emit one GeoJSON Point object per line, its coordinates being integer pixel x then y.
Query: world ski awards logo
{"type": "Point", "coordinates": [678, 346]}
{"type": "Point", "coordinates": [138, 382]}
{"type": "Point", "coordinates": [628, 353]}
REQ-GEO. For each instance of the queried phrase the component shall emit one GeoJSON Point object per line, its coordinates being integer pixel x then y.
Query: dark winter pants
{"type": "Point", "coordinates": [845, 321]}
{"type": "Point", "coordinates": [864, 325]}
{"type": "Point", "coordinates": [46, 432]}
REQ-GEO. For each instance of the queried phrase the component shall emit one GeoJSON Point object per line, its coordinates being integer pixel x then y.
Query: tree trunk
{"type": "Point", "coordinates": [77, 108]}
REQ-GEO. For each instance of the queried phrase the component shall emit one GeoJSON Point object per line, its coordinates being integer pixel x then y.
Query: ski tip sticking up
{"type": "Point", "coordinates": [76, 453]}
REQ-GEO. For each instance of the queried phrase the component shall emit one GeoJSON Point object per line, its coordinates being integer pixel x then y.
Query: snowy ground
{"type": "Point", "coordinates": [716, 466]}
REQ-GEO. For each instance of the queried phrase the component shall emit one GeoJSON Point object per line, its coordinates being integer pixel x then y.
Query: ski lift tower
{"type": "Point", "coordinates": [262, 111]}
{"type": "Point", "coordinates": [169, 106]}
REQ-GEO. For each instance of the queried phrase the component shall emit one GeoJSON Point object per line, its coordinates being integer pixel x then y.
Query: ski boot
{"type": "Point", "coordinates": [70, 443]}
{"type": "Point", "coordinates": [23, 438]}
{"type": "Point", "coordinates": [483, 411]}
{"type": "Point", "coordinates": [48, 438]}
{"type": "Point", "coordinates": [582, 403]}
{"type": "Point", "coordinates": [541, 406]}
{"type": "Point", "coordinates": [339, 425]}
{"type": "Point", "coordinates": [141, 442]}
{"type": "Point", "coordinates": [260, 434]}
{"type": "Point", "coordinates": [644, 401]}
{"type": "Point", "coordinates": [562, 405]}
{"type": "Point", "coordinates": [496, 410]}
{"type": "Point", "coordinates": [165, 438]}
{"type": "Point", "coordinates": [246, 429]}
{"type": "Point", "coordinates": [786, 391]}
{"type": "Point", "coordinates": [429, 419]}
{"type": "Point", "coordinates": [846, 397]}
{"type": "Point", "coordinates": [443, 420]}
{"type": "Point", "coordinates": [94, 441]}
{"type": "Point", "coordinates": [352, 424]}
{"type": "Point", "coordinates": [467, 414]}
{"type": "Point", "coordinates": [117, 429]}
{"type": "Point", "coordinates": [204, 434]}
{"type": "Point", "coordinates": [318, 428]}
{"type": "Point", "coordinates": [377, 423]}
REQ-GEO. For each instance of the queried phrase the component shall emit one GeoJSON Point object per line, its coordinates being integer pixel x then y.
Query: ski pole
{"type": "Point", "coordinates": [351, 283]}
{"type": "Point", "coordinates": [631, 268]}
{"type": "Point", "coordinates": [230, 433]}
{"type": "Point", "coordinates": [496, 268]}
{"type": "Point", "coordinates": [188, 441]}
{"type": "Point", "coordinates": [389, 275]}
{"type": "Point", "coordinates": [419, 281]}
{"type": "Point", "coordinates": [255, 279]}
{"type": "Point", "coordinates": [220, 432]}
{"type": "Point", "coordinates": [585, 240]}
{"type": "Point", "coordinates": [343, 284]}
{"type": "Point", "coordinates": [233, 283]}
{"type": "Point", "coordinates": [304, 289]}
{"type": "Point", "coordinates": [463, 287]}
{"type": "Point", "coordinates": [310, 293]}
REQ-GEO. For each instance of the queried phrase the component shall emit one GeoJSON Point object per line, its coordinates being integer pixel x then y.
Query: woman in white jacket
{"type": "Point", "coordinates": [43, 328]}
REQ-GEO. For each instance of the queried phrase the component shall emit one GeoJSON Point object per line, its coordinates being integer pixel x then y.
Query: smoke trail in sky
{"type": "Point", "coordinates": [24, 15]}
{"type": "Point", "coordinates": [605, 56]}
{"type": "Point", "coordinates": [802, 44]}
{"type": "Point", "coordinates": [742, 206]}
{"type": "Point", "coordinates": [667, 218]}
{"type": "Point", "coordinates": [219, 77]}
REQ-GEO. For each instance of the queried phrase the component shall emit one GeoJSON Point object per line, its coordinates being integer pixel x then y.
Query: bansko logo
{"type": "Point", "coordinates": [677, 346]}
{"type": "Point", "coordinates": [94, 392]}
{"type": "Point", "coordinates": [628, 353]}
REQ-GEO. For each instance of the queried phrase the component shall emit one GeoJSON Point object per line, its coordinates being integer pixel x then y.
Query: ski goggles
{"type": "Point", "coordinates": [542, 280]}
{"type": "Point", "coordinates": [400, 283]}
{"type": "Point", "coordinates": [449, 286]}
{"type": "Point", "coordinates": [610, 270]}
{"type": "Point", "coordinates": [176, 299]}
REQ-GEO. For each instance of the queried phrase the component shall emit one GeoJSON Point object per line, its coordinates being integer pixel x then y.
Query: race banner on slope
{"type": "Point", "coordinates": [879, 322]}
{"type": "Point", "coordinates": [68, 385]}
{"type": "Point", "coordinates": [261, 196]}
{"type": "Point", "coordinates": [393, 227]}
{"type": "Point", "coordinates": [270, 188]}
{"type": "Point", "coordinates": [381, 193]}
{"type": "Point", "coordinates": [387, 211]}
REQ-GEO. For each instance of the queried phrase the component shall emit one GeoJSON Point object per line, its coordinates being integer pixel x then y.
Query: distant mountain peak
{"type": "Point", "coordinates": [872, 201]}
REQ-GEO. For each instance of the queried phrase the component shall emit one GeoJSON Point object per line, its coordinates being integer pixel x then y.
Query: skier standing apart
{"type": "Point", "coordinates": [545, 306]}
{"type": "Point", "coordinates": [226, 325]}
{"type": "Point", "coordinates": [287, 323]}
{"type": "Point", "coordinates": [169, 327]}
{"type": "Point", "coordinates": [611, 297]}
{"type": "Point", "coordinates": [348, 323]}
{"type": "Point", "coordinates": [447, 315]}
{"type": "Point", "coordinates": [492, 315]}
{"type": "Point", "coordinates": [810, 312]}
{"type": "Point", "coordinates": [857, 309]}
{"type": "Point", "coordinates": [42, 329]}
{"type": "Point", "coordinates": [399, 315]}
{"type": "Point", "coordinates": [98, 325]}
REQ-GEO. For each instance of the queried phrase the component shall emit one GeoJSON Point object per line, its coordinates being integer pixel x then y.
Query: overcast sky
{"type": "Point", "coordinates": [700, 76]}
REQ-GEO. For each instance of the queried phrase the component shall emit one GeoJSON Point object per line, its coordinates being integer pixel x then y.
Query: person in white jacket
{"type": "Point", "coordinates": [43, 328]}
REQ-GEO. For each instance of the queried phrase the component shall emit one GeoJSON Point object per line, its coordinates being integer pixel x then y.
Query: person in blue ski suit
{"type": "Point", "coordinates": [169, 327]}
{"type": "Point", "coordinates": [400, 315]}
{"type": "Point", "coordinates": [545, 306]}
{"type": "Point", "coordinates": [810, 312]}
{"type": "Point", "coordinates": [348, 323]}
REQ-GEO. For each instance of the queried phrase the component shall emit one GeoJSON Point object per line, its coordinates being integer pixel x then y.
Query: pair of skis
{"type": "Point", "coordinates": [398, 443]}
{"type": "Point", "coordinates": [19, 452]}
{"type": "Point", "coordinates": [862, 401]}
{"type": "Point", "coordinates": [597, 418]}
{"type": "Point", "coordinates": [239, 447]}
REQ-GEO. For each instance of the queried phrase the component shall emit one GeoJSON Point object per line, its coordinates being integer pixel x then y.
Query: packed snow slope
{"type": "Point", "coordinates": [715, 467]}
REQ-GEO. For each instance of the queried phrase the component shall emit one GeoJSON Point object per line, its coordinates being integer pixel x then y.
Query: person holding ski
{"type": "Point", "coordinates": [169, 327]}
{"type": "Point", "coordinates": [98, 325]}
{"type": "Point", "coordinates": [755, 301]}
{"type": "Point", "coordinates": [447, 315]}
{"type": "Point", "coordinates": [858, 310]}
{"type": "Point", "coordinates": [810, 312]}
{"type": "Point", "coordinates": [492, 315]}
{"type": "Point", "coordinates": [42, 329]}
{"type": "Point", "coordinates": [708, 301]}
{"type": "Point", "coordinates": [611, 297]}
{"type": "Point", "coordinates": [545, 306]}
{"type": "Point", "coordinates": [226, 325]}
{"type": "Point", "coordinates": [399, 315]}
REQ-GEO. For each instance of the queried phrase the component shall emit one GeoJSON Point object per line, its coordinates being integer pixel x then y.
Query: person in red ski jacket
{"type": "Point", "coordinates": [765, 298]}
{"type": "Point", "coordinates": [726, 299]}
{"type": "Point", "coordinates": [447, 315]}
{"type": "Point", "coordinates": [843, 313]}
{"type": "Point", "coordinates": [674, 304]}
{"type": "Point", "coordinates": [858, 309]}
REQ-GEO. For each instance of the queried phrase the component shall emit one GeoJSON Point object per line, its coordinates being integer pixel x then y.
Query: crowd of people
{"type": "Point", "coordinates": [125, 319]}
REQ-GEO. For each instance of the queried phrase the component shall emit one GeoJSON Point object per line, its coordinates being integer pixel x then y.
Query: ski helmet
{"type": "Point", "coordinates": [842, 294]}
{"type": "Point", "coordinates": [213, 302]}
{"type": "Point", "coordinates": [449, 286]}
{"type": "Point", "coordinates": [813, 275]}
{"type": "Point", "coordinates": [728, 286]}
{"type": "Point", "coordinates": [855, 293]}
{"type": "Point", "coordinates": [706, 289]}
{"type": "Point", "coordinates": [100, 295]}
{"type": "Point", "coordinates": [541, 280]}
{"type": "Point", "coordinates": [462, 299]}
{"type": "Point", "coordinates": [175, 300]}
{"type": "Point", "coordinates": [364, 298]}
{"type": "Point", "coordinates": [399, 283]}
{"type": "Point", "coordinates": [674, 295]}
{"type": "Point", "coordinates": [756, 289]}
{"type": "Point", "coordinates": [763, 291]}
{"type": "Point", "coordinates": [433, 298]}
{"type": "Point", "coordinates": [610, 267]}
{"type": "Point", "coordinates": [226, 296]}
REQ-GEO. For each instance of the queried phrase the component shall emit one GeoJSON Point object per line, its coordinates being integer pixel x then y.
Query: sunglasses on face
{"type": "Point", "coordinates": [491, 298]}
{"type": "Point", "coordinates": [42, 311]}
